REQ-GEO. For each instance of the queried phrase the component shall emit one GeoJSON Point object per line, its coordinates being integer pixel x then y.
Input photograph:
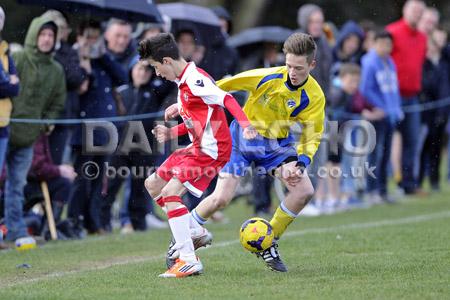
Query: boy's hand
{"type": "Point", "coordinates": [13, 79]}
{"type": "Point", "coordinates": [249, 133]}
{"type": "Point", "coordinates": [162, 133]}
{"type": "Point", "coordinates": [290, 173]}
{"type": "Point", "coordinates": [374, 115]}
{"type": "Point", "coordinates": [171, 112]}
{"type": "Point", "coordinates": [67, 171]}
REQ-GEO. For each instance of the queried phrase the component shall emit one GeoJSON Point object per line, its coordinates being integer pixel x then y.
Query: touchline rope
{"type": "Point", "coordinates": [406, 109]}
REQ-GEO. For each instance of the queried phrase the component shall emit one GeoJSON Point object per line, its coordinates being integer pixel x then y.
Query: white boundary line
{"type": "Point", "coordinates": [103, 266]}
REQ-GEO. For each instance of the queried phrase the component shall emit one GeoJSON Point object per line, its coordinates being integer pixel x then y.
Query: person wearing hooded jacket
{"type": "Point", "coordinates": [348, 48]}
{"type": "Point", "coordinates": [42, 96]}
{"type": "Point", "coordinates": [76, 82]}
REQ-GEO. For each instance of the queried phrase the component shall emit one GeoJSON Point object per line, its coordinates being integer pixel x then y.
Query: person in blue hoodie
{"type": "Point", "coordinates": [379, 85]}
{"type": "Point", "coordinates": [348, 49]}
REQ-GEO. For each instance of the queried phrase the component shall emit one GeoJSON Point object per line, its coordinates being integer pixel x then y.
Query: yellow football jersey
{"type": "Point", "coordinates": [273, 106]}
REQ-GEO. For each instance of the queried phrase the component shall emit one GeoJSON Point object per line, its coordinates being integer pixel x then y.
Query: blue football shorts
{"type": "Point", "coordinates": [267, 154]}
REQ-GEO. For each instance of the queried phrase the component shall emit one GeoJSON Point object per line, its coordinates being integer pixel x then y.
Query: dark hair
{"type": "Point", "coordinates": [349, 69]}
{"type": "Point", "coordinates": [158, 47]}
{"type": "Point", "coordinates": [383, 34]}
{"type": "Point", "coordinates": [367, 25]}
{"type": "Point", "coordinates": [301, 44]}
{"type": "Point", "coordinates": [88, 24]}
{"type": "Point", "coordinates": [184, 31]}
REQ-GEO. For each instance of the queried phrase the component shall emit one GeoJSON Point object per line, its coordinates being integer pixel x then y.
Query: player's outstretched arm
{"type": "Point", "coordinates": [236, 111]}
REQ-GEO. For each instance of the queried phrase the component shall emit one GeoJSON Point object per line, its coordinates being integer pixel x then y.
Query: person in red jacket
{"type": "Point", "coordinates": [59, 178]}
{"type": "Point", "coordinates": [409, 52]}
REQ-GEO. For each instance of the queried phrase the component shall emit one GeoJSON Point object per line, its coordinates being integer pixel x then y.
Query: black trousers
{"type": "Point", "coordinates": [140, 203]}
{"type": "Point", "coordinates": [85, 197]}
{"type": "Point", "coordinates": [430, 157]}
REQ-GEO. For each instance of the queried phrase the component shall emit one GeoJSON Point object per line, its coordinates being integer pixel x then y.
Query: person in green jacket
{"type": "Point", "coordinates": [41, 96]}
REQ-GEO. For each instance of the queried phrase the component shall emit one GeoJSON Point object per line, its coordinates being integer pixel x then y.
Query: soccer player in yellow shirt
{"type": "Point", "coordinates": [278, 98]}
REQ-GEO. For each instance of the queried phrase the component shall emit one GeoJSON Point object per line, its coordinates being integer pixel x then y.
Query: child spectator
{"type": "Point", "coordinates": [348, 48]}
{"type": "Point", "coordinates": [379, 85]}
{"type": "Point", "coordinates": [145, 94]}
{"type": "Point", "coordinates": [343, 102]}
{"type": "Point", "coordinates": [59, 178]}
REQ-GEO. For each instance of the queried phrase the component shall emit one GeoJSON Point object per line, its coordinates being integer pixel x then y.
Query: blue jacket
{"type": "Point", "coordinates": [8, 90]}
{"type": "Point", "coordinates": [98, 101]}
{"type": "Point", "coordinates": [379, 85]}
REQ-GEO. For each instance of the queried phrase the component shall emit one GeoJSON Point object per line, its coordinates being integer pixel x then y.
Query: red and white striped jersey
{"type": "Point", "coordinates": [201, 103]}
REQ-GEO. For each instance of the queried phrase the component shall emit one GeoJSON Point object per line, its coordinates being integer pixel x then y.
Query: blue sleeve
{"type": "Point", "coordinates": [8, 90]}
{"type": "Point", "coordinates": [115, 70]}
{"type": "Point", "coordinates": [368, 85]}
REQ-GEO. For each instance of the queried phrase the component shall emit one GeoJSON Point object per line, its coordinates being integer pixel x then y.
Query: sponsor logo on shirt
{"type": "Point", "coordinates": [188, 122]}
{"type": "Point", "coordinates": [290, 103]}
{"type": "Point", "coordinates": [199, 82]}
{"type": "Point", "coordinates": [264, 99]}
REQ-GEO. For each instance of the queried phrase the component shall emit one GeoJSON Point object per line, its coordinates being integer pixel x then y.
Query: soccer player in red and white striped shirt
{"type": "Point", "coordinates": [200, 103]}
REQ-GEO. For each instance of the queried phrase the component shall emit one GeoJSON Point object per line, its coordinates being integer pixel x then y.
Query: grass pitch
{"type": "Point", "coordinates": [399, 251]}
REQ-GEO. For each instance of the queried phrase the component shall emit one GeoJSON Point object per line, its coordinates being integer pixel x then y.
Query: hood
{"type": "Point", "coordinates": [303, 14]}
{"type": "Point", "coordinates": [349, 28]}
{"type": "Point", "coordinates": [221, 12]}
{"type": "Point", "coordinates": [133, 62]}
{"type": "Point", "coordinates": [130, 67]}
{"type": "Point", "coordinates": [33, 31]}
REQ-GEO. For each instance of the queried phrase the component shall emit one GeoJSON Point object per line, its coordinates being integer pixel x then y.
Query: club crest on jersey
{"type": "Point", "coordinates": [188, 122]}
{"type": "Point", "coordinates": [199, 82]}
{"type": "Point", "coordinates": [290, 103]}
{"type": "Point", "coordinates": [186, 97]}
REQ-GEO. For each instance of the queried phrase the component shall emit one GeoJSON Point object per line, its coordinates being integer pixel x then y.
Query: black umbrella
{"type": "Point", "coordinates": [201, 20]}
{"type": "Point", "coordinates": [131, 10]}
{"type": "Point", "coordinates": [264, 34]}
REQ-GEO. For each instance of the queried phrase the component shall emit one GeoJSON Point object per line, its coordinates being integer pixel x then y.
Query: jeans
{"type": "Point", "coordinates": [18, 162]}
{"type": "Point", "coordinates": [380, 157]}
{"type": "Point", "coordinates": [3, 149]}
{"type": "Point", "coordinates": [409, 129]}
